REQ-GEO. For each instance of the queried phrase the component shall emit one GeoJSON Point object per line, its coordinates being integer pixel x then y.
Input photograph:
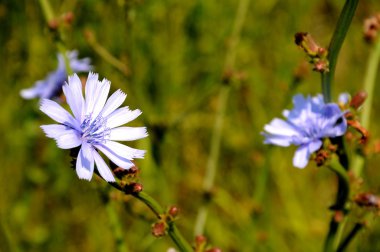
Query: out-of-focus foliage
{"type": "Point", "coordinates": [174, 52]}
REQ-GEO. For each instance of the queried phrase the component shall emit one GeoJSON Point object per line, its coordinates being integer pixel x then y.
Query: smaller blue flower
{"type": "Point", "coordinates": [306, 125]}
{"type": "Point", "coordinates": [94, 126]}
{"type": "Point", "coordinates": [51, 87]}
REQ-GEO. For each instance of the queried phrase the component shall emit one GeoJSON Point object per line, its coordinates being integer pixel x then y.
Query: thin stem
{"type": "Point", "coordinates": [178, 239]}
{"type": "Point", "coordinates": [49, 17]}
{"type": "Point", "coordinates": [216, 139]}
{"type": "Point", "coordinates": [156, 208]}
{"type": "Point", "coordinates": [173, 231]}
{"type": "Point", "coordinates": [106, 55]}
{"type": "Point", "coordinates": [335, 45]}
{"type": "Point", "coordinates": [369, 87]}
{"type": "Point", "coordinates": [47, 10]}
{"type": "Point", "coordinates": [338, 165]}
{"type": "Point", "coordinates": [116, 227]}
{"type": "Point", "coordinates": [355, 230]}
{"type": "Point", "coordinates": [212, 163]}
{"type": "Point", "coordinates": [339, 206]}
{"type": "Point", "coordinates": [150, 202]}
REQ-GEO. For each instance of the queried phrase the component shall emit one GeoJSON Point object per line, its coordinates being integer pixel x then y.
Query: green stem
{"type": "Point", "coordinates": [116, 227]}
{"type": "Point", "coordinates": [342, 196]}
{"type": "Point", "coordinates": [369, 87]}
{"type": "Point", "coordinates": [173, 231]}
{"type": "Point", "coordinates": [211, 168]}
{"type": "Point", "coordinates": [156, 208]}
{"type": "Point", "coordinates": [335, 45]}
{"type": "Point", "coordinates": [355, 230]}
{"type": "Point", "coordinates": [49, 17]}
{"type": "Point", "coordinates": [178, 239]}
{"type": "Point", "coordinates": [47, 10]}
{"type": "Point", "coordinates": [150, 202]}
{"type": "Point", "coordinates": [107, 56]}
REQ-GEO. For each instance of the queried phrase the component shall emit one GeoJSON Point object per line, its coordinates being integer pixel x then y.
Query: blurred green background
{"type": "Point", "coordinates": [171, 60]}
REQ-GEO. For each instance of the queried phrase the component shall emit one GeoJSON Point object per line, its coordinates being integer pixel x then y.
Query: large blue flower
{"type": "Point", "coordinates": [51, 86]}
{"type": "Point", "coordinates": [94, 126]}
{"type": "Point", "coordinates": [307, 124]}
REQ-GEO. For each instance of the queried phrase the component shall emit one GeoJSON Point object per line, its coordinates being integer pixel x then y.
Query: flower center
{"type": "Point", "coordinates": [95, 131]}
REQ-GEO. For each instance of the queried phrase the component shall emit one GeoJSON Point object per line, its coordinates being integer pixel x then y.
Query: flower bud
{"type": "Point", "coordinates": [173, 211]}
{"type": "Point", "coordinates": [68, 17]}
{"type": "Point", "coordinates": [200, 240]}
{"type": "Point", "coordinates": [214, 250]}
{"type": "Point", "coordinates": [159, 229]}
{"type": "Point", "coordinates": [367, 200]}
{"type": "Point", "coordinates": [371, 28]}
{"type": "Point", "coordinates": [53, 25]}
{"type": "Point", "coordinates": [358, 99]}
{"type": "Point", "coordinates": [307, 43]}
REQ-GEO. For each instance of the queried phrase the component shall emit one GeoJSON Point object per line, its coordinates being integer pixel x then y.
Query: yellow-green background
{"type": "Point", "coordinates": [175, 51]}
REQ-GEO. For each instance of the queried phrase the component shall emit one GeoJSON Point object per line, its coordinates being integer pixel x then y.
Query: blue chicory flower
{"type": "Point", "coordinates": [94, 125]}
{"type": "Point", "coordinates": [306, 125]}
{"type": "Point", "coordinates": [51, 86]}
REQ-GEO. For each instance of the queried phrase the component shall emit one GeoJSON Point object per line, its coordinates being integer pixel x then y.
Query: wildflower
{"type": "Point", "coordinates": [94, 126]}
{"type": "Point", "coordinates": [307, 124]}
{"type": "Point", "coordinates": [51, 86]}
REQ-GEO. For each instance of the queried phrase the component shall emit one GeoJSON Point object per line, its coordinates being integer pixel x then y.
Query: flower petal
{"type": "Point", "coordinates": [122, 116]}
{"type": "Point", "coordinates": [301, 156]}
{"type": "Point", "coordinates": [283, 141]}
{"type": "Point", "coordinates": [85, 162]}
{"type": "Point", "coordinates": [281, 127]}
{"type": "Point", "coordinates": [127, 133]}
{"type": "Point", "coordinates": [103, 89]}
{"type": "Point", "coordinates": [113, 102]}
{"type": "Point", "coordinates": [124, 151]}
{"type": "Point", "coordinates": [74, 97]}
{"type": "Point", "coordinates": [57, 113]}
{"type": "Point", "coordinates": [55, 130]}
{"type": "Point", "coordinates": [103, 168]}
{"type": "Point", "coordinates": [30, 93]}
{"type": "Point", "coordinates": [91, 83]}
{"type": "Point", "coordinates": [120, 154]}
{"type": "Point", "coordinates": [96, 94]}
{"type": "Point", "coordinates": [69, 140]}
{"type": "Point", "coordinates": [314, 145]}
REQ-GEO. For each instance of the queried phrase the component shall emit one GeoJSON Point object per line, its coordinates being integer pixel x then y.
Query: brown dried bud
{"type": "Point", "coordinates": [321, 66]}
{"type": "Point", "coordinates": [321, 157]}
{"type": "Point", "coordinates": [53, 25]}
{"type": "Point", "coordinates": [358, 99]}
{"type": "Point", "coordinates": [371, 27]}
{"type": "Point", "coordinates": [200, 240]}
{"type": "Point", "coordinates": [338, 216]}
{"type": "Point", "coordinates": [367, 200]}
{"type": "Point", "coordinates": [159, 229]}
{"type": "Point", "coordinates": [173, 211]}
{"type": "Point", "coordinates": [132, 188]}
{"type": "Point", "coordinates": [307, 43]}
{"type": "Point", "coordinates": [137, 187]}
{"type": "Point", "coordinates": [121, 172]}
{"type": "Point", "coordinates": [68, 17]}
{"type": "Point", "coordinates": [214, 250]}
{"type": "Point", "coordinates": [359, 128]}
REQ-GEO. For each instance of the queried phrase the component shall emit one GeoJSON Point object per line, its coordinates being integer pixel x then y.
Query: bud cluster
{"type": "Point", "coordinates": [316, 53]}
{"type": "Point", "coordinates": [371, 27]}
